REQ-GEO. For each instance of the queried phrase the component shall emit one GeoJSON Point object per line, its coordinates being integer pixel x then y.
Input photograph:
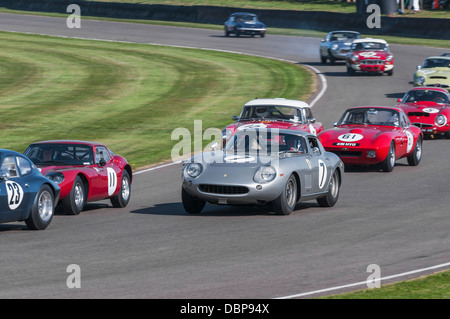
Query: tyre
{"type": "Point", "coordinates": [332, 58]}
{"type": "Point", "coordinates": [389, 162]}
{"type": "Point", "coordinates": [447, 135]}
{"type": "Point", "coordinates": [191, 204]}
{"type": "Point", "coordinates": [227, 34]}
{"type": "Point", "coordinates": [73, 204]}
{"type": "Point", "coordinates": [262, 35]}
{"type": "Point", "coordinates": [350, 71]}
{"type": "Point", "coordinates": [42, 210]}
{"type": "Point", "coordinates": [416, 155]}
{"type": "Point", "coordinates": [330, 199]}
{"type": "Point", "coordinates": [390, 72]}
{"type": "Point", "coordinates": [123, 196]}
{"type": "Point", "coordinates": [285, 203]}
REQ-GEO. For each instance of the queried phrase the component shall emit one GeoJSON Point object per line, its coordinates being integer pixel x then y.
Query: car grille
{"type": "Point", "coordinates": [437, 77]}
{"type": "Point", "coordinates": [347, 153]}
{"type": "Point", "coordinates": [372, 62]}
{"type": "Point", "coordinates": [223, 189]}
{"type": "Point", "coordinates": [418, 114]}
{"type": "Point", "coordinates": [421, 125]}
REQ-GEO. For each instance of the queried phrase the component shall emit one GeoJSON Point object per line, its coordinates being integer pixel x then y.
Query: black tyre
{"type": "Point", "coordinates": [416, 155]}
{"type": "Point", "coordinates": [389, 162]}
{"type": "Point", "coordinates": [73, 204]}
{"type": "Point", "coordinates": [350, 71]}
{"type": "Point", "coordinates": [323, 60]}
{"type": "Point", "coordinates": [285, 203]}
{"type": "Point", "coordinates": [191, 204]}
{"type": "Point", "coordinates": [447, 135]}
{"type": "Point", "coordinates": [42, 210]}
{"type": "Point", "coordinates": [330, 199]}
{"type": "Point", "coordinates": [262, 35]}
{"type": "Point", "coordinates": [390, 72]}
{"type": "Point", "coordinates": [123, 196]}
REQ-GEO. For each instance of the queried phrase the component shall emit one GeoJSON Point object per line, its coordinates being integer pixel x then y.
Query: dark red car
{"type": "Point", "coordinates": [428, 108]}
{"type": "Point", "coordinates": [85, 172]}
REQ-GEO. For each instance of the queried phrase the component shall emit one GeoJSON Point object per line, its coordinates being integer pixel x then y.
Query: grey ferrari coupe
{"type": "Point", "coordinates": [258, 167]}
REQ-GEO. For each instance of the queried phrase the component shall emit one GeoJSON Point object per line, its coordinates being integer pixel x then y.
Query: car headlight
{"type": "Point", "coordinates": [265, 174]}
{"type": "Point", "coordinates": [55, 177]}
{"type": "Point", "coordinates": [420, 80]}
{"type": "Point", "coordinates": [354, 58]}
{"type": "Point", "coordinates": [334, 47]}
{"type": "Point", "coordinates": [389, 57]}
{"type": "Point", "coordinates": [441, 120]}
{"type": "Point", "coordinates": [193, 170]}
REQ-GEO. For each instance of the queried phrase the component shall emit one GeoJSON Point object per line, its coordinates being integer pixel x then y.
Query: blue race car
{"type": "Point", "coordinates": [25, 194]}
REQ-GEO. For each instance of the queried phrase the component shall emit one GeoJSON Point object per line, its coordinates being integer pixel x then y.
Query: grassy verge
{"type": "Point", "coordinates": [129, 96]}
{"type": "Point", "coordinates": [435, 286]}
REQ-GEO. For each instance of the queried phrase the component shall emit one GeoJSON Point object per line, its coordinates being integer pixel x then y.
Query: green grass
{"type": "Point", "coordinates": [128, 96]}
{"type": "Point", "coordinates": [436, 286]}
{"type": "Point", "coordinates": [304, 5]}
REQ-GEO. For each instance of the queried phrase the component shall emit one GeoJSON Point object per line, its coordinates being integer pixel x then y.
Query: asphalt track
{"type": "Point", "coordinates": [153, 249]}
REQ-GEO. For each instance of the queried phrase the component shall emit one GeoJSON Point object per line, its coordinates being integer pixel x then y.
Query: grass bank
{"type": "Point", "coordinates": [129, 96]}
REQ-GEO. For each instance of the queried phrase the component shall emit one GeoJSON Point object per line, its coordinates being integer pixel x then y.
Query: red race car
{"type": "Point", "coordinates": [274, 113]}
{"type": "Point", "coordinates": [370, 55]}
{"type": "Point", "coordinates": [85, 172]}
{"type": "Point", "coordinates": [428, 108]}
{"type": "Point", "coordinates": [369, 135]}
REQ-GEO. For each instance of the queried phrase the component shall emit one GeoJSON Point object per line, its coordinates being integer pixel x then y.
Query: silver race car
{"type": "Point", "coordinates": [257, 167]}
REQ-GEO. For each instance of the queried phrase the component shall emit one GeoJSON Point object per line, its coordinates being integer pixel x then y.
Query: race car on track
{"type": "Point", "coordinates": [336, 45]}
{"type": "Point", "coordinates": [370, 55]}
{"type": "Point", "coordinates": [257, 167]}
{"type": "Point", "coordinates": [246, 23]}
{"type": "Point", "coordinates": [25, 195]}
{"type": "Point", "coordinates": [85, 172]}
{"type": "Point", "coordinates": [428, 108]}
{"type": "Point", "coordinates": [274, 113]}
{"type": "Point", "coordinates": [370, 135]}
{"type": "Point", "coordinates": [434, 71]}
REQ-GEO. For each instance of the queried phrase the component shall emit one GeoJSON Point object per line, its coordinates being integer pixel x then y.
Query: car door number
{"type": "Point", "coordinates": [15, 194]}
{"type": "Point", "coordinates": [112, 181]}
{"type": "Point", "coordinates": [322, 174]}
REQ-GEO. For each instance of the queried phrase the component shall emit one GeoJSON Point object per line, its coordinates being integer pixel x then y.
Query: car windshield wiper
{"type": "Point", "coordinates": [50, 162]}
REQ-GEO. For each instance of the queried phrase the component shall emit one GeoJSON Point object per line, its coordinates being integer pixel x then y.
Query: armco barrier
{"type": "Point", "coordinates": [313, 20]}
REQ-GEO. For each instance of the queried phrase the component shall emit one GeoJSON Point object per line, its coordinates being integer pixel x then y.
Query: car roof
{"type": "Point", "coordinates": [278, 101]}
{"type": "Point", "coordinates": [9, 152]}
{"type": "Point", "coordinates": [69, 142]}
{"type": "Point", "coordinates": [438, 57]}
{"type": "Point", "coordinates": [349, 31]}
{"type": "Point", "coordinates": [369, 40]}
{"type": "Point", "coordinates": [375, 107]}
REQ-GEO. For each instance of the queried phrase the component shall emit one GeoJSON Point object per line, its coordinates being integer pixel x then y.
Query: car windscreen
{"type": "Point", "coordinates": [262, 141]}
{"type": "Point", "coordinates": [60, 154]}
{"type": "Point", "coordinates": [371, 116]}
{"type": "Point", "coordinates": [372, 46]}
{"type": "Point", "coordinates": [425, 96]}
{"type": "Point", "coordinates": [245, 17]}
{"type": "Point", "coordinates": [272, 112]}
{"type": "Point", "coordinates": [342, 36]}
{"type": "Point", "coordinates": [436, 63]}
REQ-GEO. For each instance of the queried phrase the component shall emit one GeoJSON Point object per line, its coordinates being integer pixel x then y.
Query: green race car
{"type": "Point", "coordinates": [435, 71]}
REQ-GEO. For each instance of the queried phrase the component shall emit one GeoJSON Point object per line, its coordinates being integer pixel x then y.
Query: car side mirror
{"type": "Point", "coordinates": [102, 162]}
{"type": "Point", "coordinates": [399, 100]}
{"type": "Point", "coordinates": [235, 117]}
{"type": "Point", "coordinates": [4, 176]}
{"type": "Point", "coordinates": [335, 124]}
{"type": "Point", "coordinates": [312, 120]}
{"type": "Point", "coordinates": [316, 151]}
{"type": "Point", "coordinates": [418, 67]}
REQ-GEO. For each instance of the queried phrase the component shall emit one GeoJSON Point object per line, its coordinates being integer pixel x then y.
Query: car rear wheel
{"type": "Point", "coordinates": [330, 199]}
{"type": "Point", "coordinates": [123, 196]}
{"type": "Point", "coordinates": [416, 155]}
{"type": "Point", "coordinates": [42, 210]}
{"type": "Point", "coordinates": [389, 162]}
{"type": "Point", "coordinates": [285, 203]}
{"type": "Point", "coordinates": [73, 204]}
{"type": "Point", "coordinates": [191, 204]}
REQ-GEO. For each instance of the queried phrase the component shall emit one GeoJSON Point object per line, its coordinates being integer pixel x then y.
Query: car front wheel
{"type": "Point", "coordinates": [389, 162]}
{"type": "Point", "coordinates": [285, 203]}
{"type": "Point", "coordinates": [123, 196]}
{"type": "Point", "coordinates": [330, 199]}
{"type": "Point", "coordinates": [416, 155]}
{"type": "Point", "coordinates": [191, 204]}
{"type": "Point", "coordinates": [73, 204]}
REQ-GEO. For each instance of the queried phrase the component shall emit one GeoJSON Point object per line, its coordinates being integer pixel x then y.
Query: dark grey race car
{"type": "Point", "coordinates": [278, 167]}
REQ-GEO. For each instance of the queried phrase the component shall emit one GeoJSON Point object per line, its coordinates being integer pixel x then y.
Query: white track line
{"type": "Point", "coordinates": [364, 282]}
